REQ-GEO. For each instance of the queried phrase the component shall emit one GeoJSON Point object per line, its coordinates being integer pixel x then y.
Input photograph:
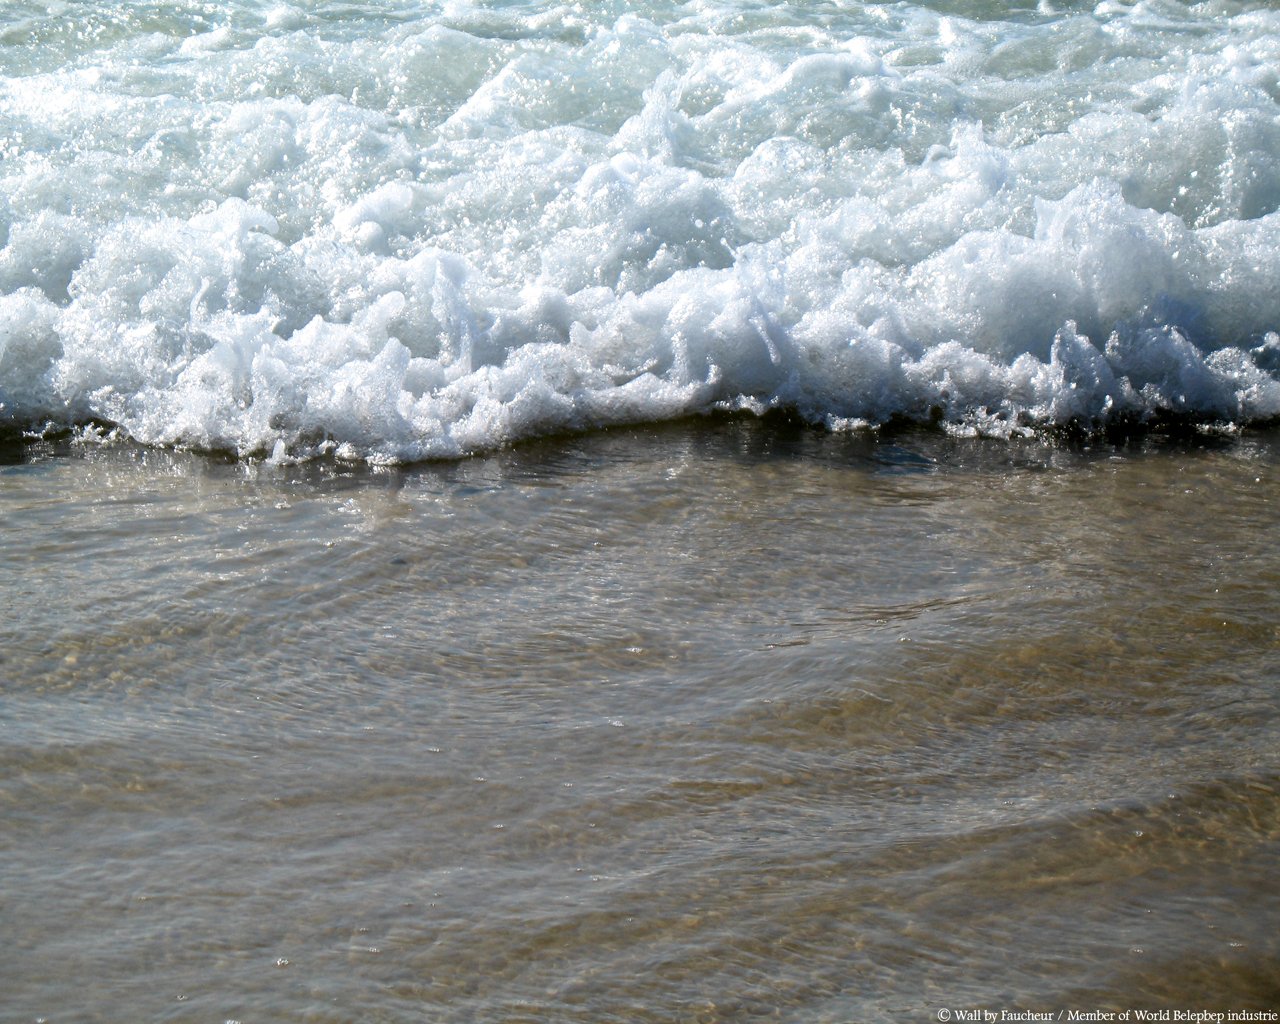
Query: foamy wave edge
{"type": "Point", "coordinates": [1108, 313]}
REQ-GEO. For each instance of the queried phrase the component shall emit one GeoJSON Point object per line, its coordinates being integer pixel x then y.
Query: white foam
{"type": "Point", "coordinates": [427, 230]}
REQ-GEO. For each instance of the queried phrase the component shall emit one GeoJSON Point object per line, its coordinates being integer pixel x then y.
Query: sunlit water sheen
{"type": "Point", "coordinates": [403, 230]}
{"type": "Point", "coordinates": [703, 723]}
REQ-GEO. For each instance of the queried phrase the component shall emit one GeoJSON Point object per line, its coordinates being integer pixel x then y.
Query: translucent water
{"type": "Point", "coordinates": [401, 230]}
{"type": "Point", "coordinates": [710, 723]}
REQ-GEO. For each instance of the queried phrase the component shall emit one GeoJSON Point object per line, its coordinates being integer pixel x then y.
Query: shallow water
{"type": "Point", "coordinates": [721, 720]}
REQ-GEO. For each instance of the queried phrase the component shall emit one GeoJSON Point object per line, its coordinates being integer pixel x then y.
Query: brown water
{"type": "Point", "coordinates": [712, 722]}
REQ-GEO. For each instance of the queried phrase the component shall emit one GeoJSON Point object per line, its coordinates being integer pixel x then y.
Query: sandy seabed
{"type": "Point", "coordinates": [721, 720]}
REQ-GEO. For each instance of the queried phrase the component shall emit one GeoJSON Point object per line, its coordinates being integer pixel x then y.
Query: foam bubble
{"type": "Point", "coordinates": [422, 231]}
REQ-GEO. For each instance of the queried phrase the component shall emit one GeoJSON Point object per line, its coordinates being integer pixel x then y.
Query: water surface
{"type": "Point", "coordinates": [721, 721]}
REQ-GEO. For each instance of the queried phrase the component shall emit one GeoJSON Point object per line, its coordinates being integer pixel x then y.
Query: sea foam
{"type": "Point", "coordinates": [418, 230]}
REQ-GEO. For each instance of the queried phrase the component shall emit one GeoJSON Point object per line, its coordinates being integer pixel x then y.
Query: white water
{"type": "Point", "coordinates": [404, 230]}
